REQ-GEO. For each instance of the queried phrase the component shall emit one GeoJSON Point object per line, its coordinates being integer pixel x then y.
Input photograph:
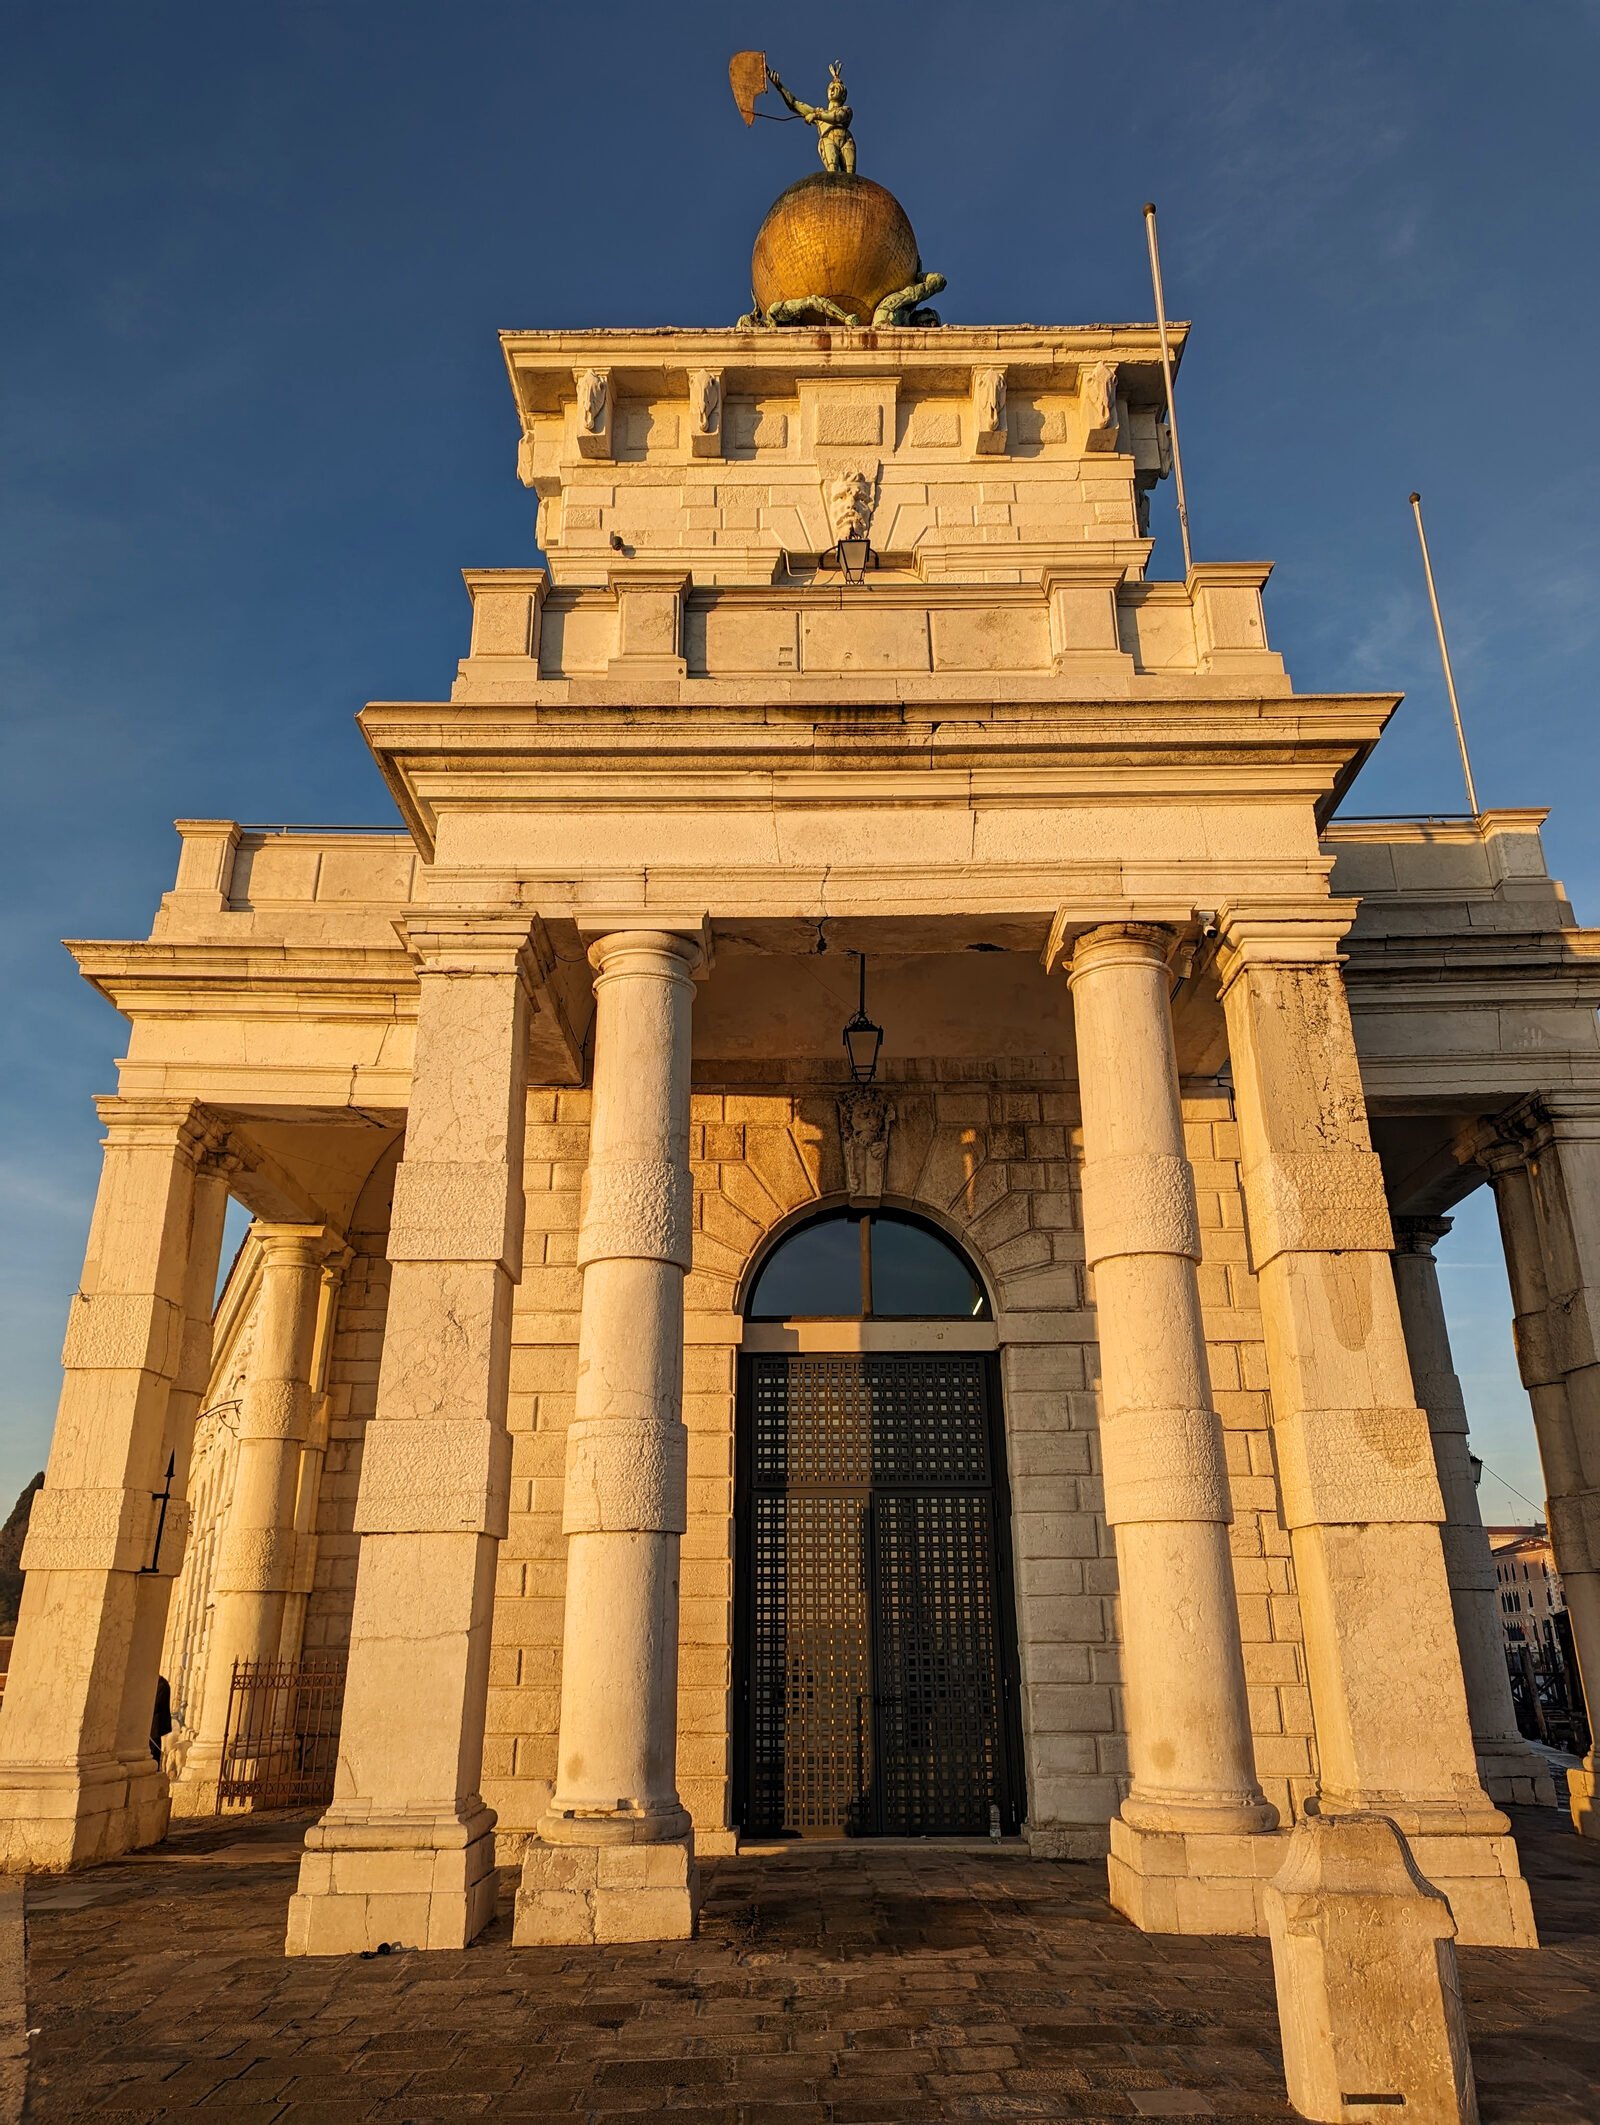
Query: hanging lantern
{"type": "Point", "coordinates": [862, 1039]}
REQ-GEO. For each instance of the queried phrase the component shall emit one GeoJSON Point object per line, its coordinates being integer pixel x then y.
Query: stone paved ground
{"type": "Point", "coordinates": [851, 1987]}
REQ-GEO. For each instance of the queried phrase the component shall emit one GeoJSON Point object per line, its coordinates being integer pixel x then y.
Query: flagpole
{"type": "Point", "coordinates": [1444, 655]}
{"type": "Point", "coordinates": [1166, 370]}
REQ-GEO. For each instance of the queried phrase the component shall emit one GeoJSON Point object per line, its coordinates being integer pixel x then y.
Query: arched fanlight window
{"type": "Point", "coordinates": [867, 1265]}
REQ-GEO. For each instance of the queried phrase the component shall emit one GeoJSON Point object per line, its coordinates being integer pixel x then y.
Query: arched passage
{"type": "Point", "coordinates": [875, 1649]}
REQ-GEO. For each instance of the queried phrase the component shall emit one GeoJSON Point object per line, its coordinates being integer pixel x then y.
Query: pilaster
{"type": "Point", "coordinates": [1360, 1495]}
{"type": "Point", "coordinates": [406, 1851]}
{"type": "Point", "coordinates": [78, 1782]}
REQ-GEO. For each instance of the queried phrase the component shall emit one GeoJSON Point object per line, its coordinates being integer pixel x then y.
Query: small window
{"type": "Point", "coordinates": [866, 1265]}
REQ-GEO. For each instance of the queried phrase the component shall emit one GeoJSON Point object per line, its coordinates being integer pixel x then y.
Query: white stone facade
{"type": "Point", "coordinates": [1167, 1047]}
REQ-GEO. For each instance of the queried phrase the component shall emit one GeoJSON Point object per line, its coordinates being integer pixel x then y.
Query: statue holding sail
{"type": "Point", "coordinates": [835, 143]}
{"type": "Point", "coordinates": [836, 248]}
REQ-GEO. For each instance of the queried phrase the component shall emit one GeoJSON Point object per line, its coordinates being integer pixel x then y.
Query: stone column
{"type": "Point", "coordinates": [174, 1514]}
{"type": "Point", "coordinates": [1544, 1185]}
{"type": "Point", "coordinates": [615, 1855]}
{"type": "Point", "coordinates": [1359, 1494]}
{"type": "Point", "coordinates": [1166, 1489]}
{"type": "Point", "coordinates": [1509, 1769]}
{"type": "Point", "coordinates": [256, 1556]}
{"type": "Point", "coordinates": [77, 1780]}
{"type": "Point", "coordinates": [313, 1455]}
{"type": "Point", "coordinates": [406, 1851]}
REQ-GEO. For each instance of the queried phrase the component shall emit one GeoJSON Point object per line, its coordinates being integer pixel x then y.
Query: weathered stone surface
{"type": "Point", "coordinates": [1369, 2001]}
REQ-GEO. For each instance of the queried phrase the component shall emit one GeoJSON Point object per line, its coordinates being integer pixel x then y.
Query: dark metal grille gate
{"type": "Point", "coordinates": [876, 1660]}
{"type": "Point", "coordinates": [281, 1743]}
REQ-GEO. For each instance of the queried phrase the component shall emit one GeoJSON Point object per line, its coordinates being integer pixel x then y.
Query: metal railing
{"type": "Point", "coordinates": [281, 1744]}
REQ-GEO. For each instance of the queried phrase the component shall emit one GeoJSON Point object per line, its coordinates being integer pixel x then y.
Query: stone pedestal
{"type": "Point", "coordinates": [1194, 1803]}
{"type": "Point", "coordinates": [77, 1781]}
{"type": "Point", "coordinates": [406, 1851]}
{"type": "Point", "coordinates": [257, 1556]}
{"type": "Point", "coordinates": [602, 1893]}
{"type": "Point", "coordinates": [1369, 2003]}
{"type": "Point", "coordinates": [1546, 1178]}
{"type": "Point", "coordinates": [1509, 1769]}
{"type": "Point", "coordinates": [614, 1854]}
{"type": "Point", "coordinates": [1355, 1458]}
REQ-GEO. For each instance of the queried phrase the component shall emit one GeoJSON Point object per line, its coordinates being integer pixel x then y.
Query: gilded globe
{"type": "Point", "coordinates": [842, 237]}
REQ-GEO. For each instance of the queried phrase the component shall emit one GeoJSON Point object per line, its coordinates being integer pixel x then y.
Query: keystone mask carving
{"type": "Point", "coordinates": [866, 1113]}
{"type": "Point", "coordinates": [851, 501]}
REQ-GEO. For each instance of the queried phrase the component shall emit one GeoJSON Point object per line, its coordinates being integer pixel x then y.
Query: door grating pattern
{"type": "Point", "coordinates": [874, 1669]}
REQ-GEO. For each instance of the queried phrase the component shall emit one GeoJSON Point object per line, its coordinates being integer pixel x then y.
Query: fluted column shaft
{"type": "Point", "coordinates": [1508, 1767]}
{"type": "Point", "coordinates": [1161, 1442]}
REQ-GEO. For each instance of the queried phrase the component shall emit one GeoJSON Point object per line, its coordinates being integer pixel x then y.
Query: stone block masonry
{"type": "Point", "coordinates": [994, 1153]}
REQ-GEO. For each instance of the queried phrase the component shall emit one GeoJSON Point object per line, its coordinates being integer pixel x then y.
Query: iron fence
{"type": "Point", "coordinates": [282, 1739]}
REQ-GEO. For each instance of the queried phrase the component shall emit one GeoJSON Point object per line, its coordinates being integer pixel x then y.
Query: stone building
{"type": "Point", "coordinates": [681, 1441]}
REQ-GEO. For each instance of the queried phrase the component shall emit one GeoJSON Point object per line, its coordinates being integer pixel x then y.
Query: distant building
{"type": "Point", "coordinates": [1538, 1636]}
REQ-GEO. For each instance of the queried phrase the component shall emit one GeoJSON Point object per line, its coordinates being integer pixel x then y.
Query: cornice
{"type": "Point", "coordinates": [161, 979]}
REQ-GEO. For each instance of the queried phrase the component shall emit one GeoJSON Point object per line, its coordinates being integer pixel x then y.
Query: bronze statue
{"type": "Point", "coordinates": [835, 252]}
{"type": "Point", "coordinates": [832, 121]}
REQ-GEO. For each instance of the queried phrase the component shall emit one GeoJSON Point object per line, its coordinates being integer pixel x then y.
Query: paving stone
{"type": "Point", "coordinates": [856, 1987]}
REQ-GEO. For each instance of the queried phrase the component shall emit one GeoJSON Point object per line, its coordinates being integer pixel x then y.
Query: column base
{"type": "Point", "coordinates": [1192, 1881]}
{"type": "Point", "coordinates": [605, 1893]}
{"type": "Point", "coordinates": [1197, 1882]}
{"type": "Point", "coordinates": [1513, 1776]}
{"type": "Point", "coordinates": [1481, 1880]}
{"type": "Point", "coordinates": [53, 1817]}
{"type": "Point", "coordinates": [194, 1790]}
{"type": "Point", "coordinates": [422, 1884]}
{"type": "Point", "coordinates": [1583, 1798]}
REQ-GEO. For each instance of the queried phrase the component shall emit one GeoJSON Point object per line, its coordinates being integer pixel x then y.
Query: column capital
{"type": "Point", "coordinates": [1281, 933]}
{"type": "Point", "coordinates": [612, 937]}
{"type": "Point", "coordinates": [1419, 1235]}
{"type": "Point", "coordinates": [299, 1246]}
{"type": "Point", "coordinates": [489, 942]}
{"type": "Point", "coordinates": [1076, 922]}
{"type": "Point", "coordinates": [1121, 944]}
{"type": "Point", "coordinates": [1570, 1114]}
{"type": "Point", "coordinates": [160, 1124]}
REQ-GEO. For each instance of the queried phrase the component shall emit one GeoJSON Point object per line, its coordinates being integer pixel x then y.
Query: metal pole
{"type": "Point", "coordinates": [1444, 656]}
{"type": "Point", "coordinates": [1166, 370]}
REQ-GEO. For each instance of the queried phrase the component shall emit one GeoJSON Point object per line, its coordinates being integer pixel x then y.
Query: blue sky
{"type": "Point", "coordinates": [255, 421]}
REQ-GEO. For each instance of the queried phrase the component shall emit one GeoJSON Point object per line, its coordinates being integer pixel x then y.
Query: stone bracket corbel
{"type": "Point", "coordinates": [594, 412]}
{"type": "Point", "coordinates": [991, 436]}
{"type": "Point", "coordinates": [705, 412]}
{"type": "Point", "coordinates": [1102, 426]}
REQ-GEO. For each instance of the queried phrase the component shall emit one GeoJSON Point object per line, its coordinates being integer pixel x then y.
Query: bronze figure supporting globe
{"type": "Point", "coordinates": [837, 236]}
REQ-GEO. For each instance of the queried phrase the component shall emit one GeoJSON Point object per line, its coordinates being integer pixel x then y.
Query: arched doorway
{"type": "Point", "coordinates": [876, 1656]}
